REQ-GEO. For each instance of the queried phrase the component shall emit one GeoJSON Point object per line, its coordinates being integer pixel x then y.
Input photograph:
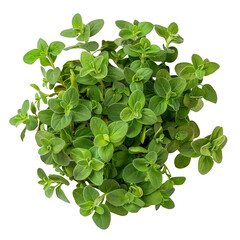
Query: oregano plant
{"type": "Point", "coordinates": [115, 114]}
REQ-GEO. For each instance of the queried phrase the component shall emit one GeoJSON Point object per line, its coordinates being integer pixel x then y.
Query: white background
{"type": "Point", "coordinates": [207, 207]}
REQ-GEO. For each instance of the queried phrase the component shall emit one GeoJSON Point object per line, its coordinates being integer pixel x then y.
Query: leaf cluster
{"type": "Point", "coordinates": [115, 114]}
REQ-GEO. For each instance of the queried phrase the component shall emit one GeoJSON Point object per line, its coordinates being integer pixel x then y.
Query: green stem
{"type": "Point", "coordinates": [99, 200]}
{"type": "Point", "coordinates": [142, 58]}
{"type": "Point", "coordinates": [166, 170]}
{"type": "Point", "coordinates": [73, 80]}
{"type": "Point", "coordinates": [143, 135]}
{"type": "Point", "coordinates": [158, 131]}
{"type": "Point", "coordinates": [51, 62]}
{"type": "Point", "coordinates": [58, 184]}
{"type": "Point", "coordinates": [100, 49]}
{"type": "Point", "coordinates": [101, 82]}
{"type": "Point", "coordinates": [38, 127]}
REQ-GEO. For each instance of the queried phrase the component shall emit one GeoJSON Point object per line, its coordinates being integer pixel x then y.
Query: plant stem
{"type": "Point", "coordinates": [142, 58]}
{"type": "Point", "coordinates": [99, 199]}
{"type": "Point", "coordinates": [166, 170]}
{"type": "Point", "coordinates": [101, 82]}
{"type": "Point", "coordinates": [100, 49]}
{"type": "Point", "coordinates": [73, 80]}
{"type": "Point", "coordinates": [51, 62]}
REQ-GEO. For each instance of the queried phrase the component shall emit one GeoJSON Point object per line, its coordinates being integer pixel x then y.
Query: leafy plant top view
{"type": "Point", "coordinates": [114, 115]}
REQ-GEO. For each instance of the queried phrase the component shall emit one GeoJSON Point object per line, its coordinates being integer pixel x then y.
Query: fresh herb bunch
{"type": "Point", "coordinates": [115, 114]}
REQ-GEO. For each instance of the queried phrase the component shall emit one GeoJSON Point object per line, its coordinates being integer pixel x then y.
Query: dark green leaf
{"type": "Point", "coordinates": [45, 116]}
{"type": "Point", "coordinates": [78, 154]}
{"type": "Point", "coordinates": [136, 96]}
{"type": "Point", "coordinates": [60, 121]}
{"type": "Point", "coordinates": [131, 207]}
{"type": "Point", "coordinates": [96, 177]}
{"type": "Point", "coordinates": [217, 132]}
{"type": "Point", "coordinates": [42, 45]}
{"type": "Point", "coordinates": [162, 31]}
{"type": "Point", "coordinates": [31, 123]}
{"type": "Point", "coordinates": [114, 74]}
{"type": "Point", "coordinates": [83, 132]}
{"type": "Point", "coordinates": [61, 158]}
{"type": "Point", "coordinates": [85, 212]}
{"type": "Point", "coordinates": [89, 46]}
{"type": "Point", "coordinates": [98, 126]}
{"type": "Point", "coordinates": [155, 177]}
{"type": "Point", "coordinates": [178, 85]}
{"type": "Point", "coordinates": [109, 185]}
{"type": "Point", "coordinates": [82, 170]}
{"type": "Point", "coordinates": [80, 113]}
{"type": "Point", "coordinates": [190, 102]}
{"type": "Point", "coordinates": [77, 21]}
{"type": "Point", "coordinates": [103, 220]}
{"type": "Point", "coordinates": [83, 142]}
{"type": "Point", "coordinates": [71, 97]}
{"type": "Point", "coordinates": [127, 114]}
{"type": "Point", "coordinates": [210, 67]}
{"type": "Point", "coordinates": [55, 105]}
{"type": "Point", "coordinates": [162, 87]}
{"type": "Point", "coordinates": [25, 107]}
{"type": "Point", "coordinates": [123, 24]}
{"type": "Point", "coordinates": [121, 158]}
{"type": "Point", "coordinates": [173, 28]}
{"type": "Point", "coordinates": [33, 108]}
{"type": "Point", "coordinates": [134, 128]}
{"type": "Point", "coordinates": [117, 131]}
{"type": "Point", "coordinates": [95, 26]}
{"type": "Point", "coordinates": [167, 201]}
{"type": "Point", "coordinates": [130, 50]}
{"type": "Point", "coordinates": [61, 195]}
{"type": "Point", "coordinates": [205, 164]}
{"type": "Point", "coordinates": [117, 210]}
{"type": "Point", "coordinates": [78, 196]}
{"type": "Point", "coordinates": [145, 28]}
{"type": "Point", "coordinates": [69, 33]}
{"type": "Point", "coordinates": [106, 152]}
{"type": "Point", "coordinates": [158, 105]}
{"type": "Point", "coordinates": [57, 144]}
{"type": "Point", "coordinates": [58, 179]}
{"type": "Point", "coordinates": [117, 197]}
{"type": "Point", "coordinates": [140, 164]}
{"type": "Point", "coordinates": [187, 150]}
{"type": "Point", "coordinates": [197, 144]}
{"type": "Point", "coordinates": [132, 175]}
{"type": "Point", "coordinates": [114, 111]}
{"type": "Point", "coordinates": [41, 174]}
{"type": "Point", "coordinates": [171, 56]}
{"type": "Point", "coordinates": [31, 56]}
{"type": "Point", "coordinates": [153, 198]}
{"type": "Point", "coordinates": [197, 61]}
{"type": "Point", "coordinates": [84, 36]}
{"type": "Point", "coordinates": [148, 117]}
{"type": "Point", "coordinates": [178, 180]}
{"type": "Point", "coordinates": [90, 193]}
{"type": "Point", "coordinates": [217, 155]}
{"type": "Point", "coordinates": [97, 164]}
{"type": "Point", "coordinates": [49, 192]}
{"type": "Point", "coordinates": [209, 93]}
{"type": "Point", "coordinates": [181, 161]}
{"type": "Point", "coordinates": [55, 48]}
{"type": "Point", "coordinates": [53, 75]}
